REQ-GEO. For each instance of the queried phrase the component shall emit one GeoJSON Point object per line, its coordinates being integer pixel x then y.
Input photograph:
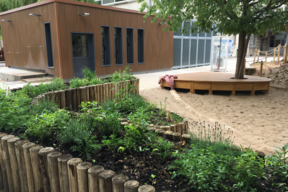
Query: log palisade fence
{"type": "Point", "coordinates": [72, 98]}
{"type": "Point", "coordinates": [27, 167]}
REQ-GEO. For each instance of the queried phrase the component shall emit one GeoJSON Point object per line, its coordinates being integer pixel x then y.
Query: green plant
{"type": "Point", "coordinates": [76, 82]}
{"type": "Point", "coordinates": [88, 74]}
{"type": "Point", "coordinates": [87, 146]}
{"type": "Point", "coordinates": [162, 147]}
{"type": "Point", "coordinates": [113, 142]}
{"type": "Point", "coordinates": [278, 167]}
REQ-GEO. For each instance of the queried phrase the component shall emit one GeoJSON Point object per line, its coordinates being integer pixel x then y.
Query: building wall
{"type": "Point", "coordinates": [158, 45]}
{"type": "Point", "coordinates": [24, 39]}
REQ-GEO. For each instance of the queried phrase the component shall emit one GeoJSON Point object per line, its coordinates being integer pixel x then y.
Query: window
{"type": "Point", "coordinates": [105, 2]}
{"type": "Point", "coordinates": [252, 40]}
{"type": "Point", "coordinates": [118, 46]}
{"type": "Point", "coordinates": [105, 40]}
{"type": "Point", "coordinates": [49, 45]}
{"type": "Point", "coordinates": [279, 38]}
{"type": "Point", "coordinates": [140, 45]}
{"type": "Point", "coordinates": [130, 47]}
{"type": "Point", "coordinates": [80, 45]}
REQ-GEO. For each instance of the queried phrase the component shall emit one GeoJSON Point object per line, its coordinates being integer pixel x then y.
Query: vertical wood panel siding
{"type": "Point", "coordinates": [25, 30]}
{"type": "Point", "coordinates": [158, 44]}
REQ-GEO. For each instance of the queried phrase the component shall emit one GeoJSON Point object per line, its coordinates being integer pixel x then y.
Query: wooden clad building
{"type": "Point", "coordinates": [62, 36]}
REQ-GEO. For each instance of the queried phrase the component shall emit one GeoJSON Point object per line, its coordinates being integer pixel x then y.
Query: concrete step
{"type": "Point", "coordinates": [38, 80]}
{"type": "Point", "coordinates": [10, 74]}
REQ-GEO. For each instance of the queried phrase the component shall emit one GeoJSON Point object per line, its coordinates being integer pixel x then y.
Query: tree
{"type": "Point", "coordinates": [243, 17]}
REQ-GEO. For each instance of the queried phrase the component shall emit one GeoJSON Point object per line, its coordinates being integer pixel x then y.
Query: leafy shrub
{"type": "Point", "coordinates": [88, 74]}
{"type": "Point", "coordinates": [43, 125]}
{"type": "Point", "coordinates": [33, 91]}
{"type": "Point", "coordinates": [13, 112]}
{"type": "Point", "coordinates": [277, 166]}
{"type": "Point", "coordinates": [74, 131]}
{"type": "Point", "coordinates": [209, 171]}
{"type": "Point", "coordinates": [162, 147]}
{"type": "Point", "coordinates": [43, 105]}
{"type": "Point", "coordinates": [76, 82]}
{"type": "Point", "coordinates": [87, 146]}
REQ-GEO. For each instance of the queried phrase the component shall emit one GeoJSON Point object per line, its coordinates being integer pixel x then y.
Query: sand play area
{"type": "Point", "coordinates": [258, 121]}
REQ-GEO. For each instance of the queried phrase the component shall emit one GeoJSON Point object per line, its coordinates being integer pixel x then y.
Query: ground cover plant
{"type": "Point", "coordinates": [209, 162]}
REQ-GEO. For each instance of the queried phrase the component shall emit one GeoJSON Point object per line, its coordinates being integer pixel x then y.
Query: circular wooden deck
{"type": "Point", "coordinates": [215, 81]}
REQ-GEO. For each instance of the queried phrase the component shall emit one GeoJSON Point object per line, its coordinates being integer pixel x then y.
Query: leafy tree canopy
{"type": "Point", "coordinates": [228, 16]}
{"type": "Point", "coordinates": [243, 17]}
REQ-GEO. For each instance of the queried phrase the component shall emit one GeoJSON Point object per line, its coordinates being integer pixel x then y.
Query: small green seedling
{"type": "Point", "coordinates": [153, 176]}
{"type": "Point", "coordinates": [121, 149]}
{"type": "Point", "coordinates": [93, 160]}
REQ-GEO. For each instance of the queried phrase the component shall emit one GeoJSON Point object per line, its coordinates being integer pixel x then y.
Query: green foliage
{"type": "Point", "coordinates": [90, 78]}
{"type": "Point", "coordinates": [43, 125]}
{"type": "Point", "coordinates": [13, 112]}
{"type": "Point", "coordinates": [277, 165]}
{"type": "Point", "coordinates": [209, 171]}
{"type": "Point", "coordinates": [73, 132]}
{"type": "Point", "coordinates": [113, 143]}
{"type": "Point", "coordinates": [33, 91]}
{"type": "Point", "coordinates": [43, 105]}
{"type": "Point", "coordinates": [162, 148]}
{"type": "Point", "coordinates": [125, 75]}
{"type": "Point", "coordinates": [87, 146]}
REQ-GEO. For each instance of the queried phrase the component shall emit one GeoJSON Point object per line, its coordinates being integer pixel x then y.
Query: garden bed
{"type": "Point", "coordinates": [121, 135]}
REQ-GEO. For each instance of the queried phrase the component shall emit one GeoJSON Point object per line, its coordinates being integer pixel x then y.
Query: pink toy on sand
{"type": "Point", "coordinates": [169, 79]}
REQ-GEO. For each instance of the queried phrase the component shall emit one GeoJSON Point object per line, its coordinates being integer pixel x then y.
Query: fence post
{"type": "Point", "coordinates": [254, 55]}
{"type": "Point", "coordinates": [266, 57]}
{"type": "Point", "coordinates": [261, 68]}
{"type": "Point", "coordinates": [274, 54]}
{"type": "Point", "coordinates": [63, 172]}
{"type": "Point", "coordinates": [285, 53]}
{"type": "Point", "coordinates": [279, 47]}
{"type": "Point", "coordinates": [258, 55]}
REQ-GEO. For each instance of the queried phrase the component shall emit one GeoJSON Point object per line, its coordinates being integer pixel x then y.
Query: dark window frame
{"type": "Point", "coordinates": [109, 44]}
{"type": "Point", "coordinates": [127, 28]}
{"type": "Point", "coordinates": [50, 60]}
{"type": "Point", "coordinates": [143, 47]}
{"type": "Point", "coordinates": [116, 27]}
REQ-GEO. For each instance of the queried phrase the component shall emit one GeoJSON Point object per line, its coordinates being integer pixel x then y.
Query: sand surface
{"type": "Point", "coordinates": [258, 121]}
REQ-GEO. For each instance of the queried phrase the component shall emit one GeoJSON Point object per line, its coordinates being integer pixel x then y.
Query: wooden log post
{"type": "Point", "coordinates": [13, 162]}
{"type": "Point", "coordinates": [274, 54]}
{"type": "Point", "coordinates": [58, 98]}
{"type": "Point", "coordinates": [105, 181]}
{"type": "Point", "coordinates": [106, 92]}
{"type": "Point", "coordinates": [258, 55]}
{"type": "Point", "coordinates": [93, 177]}
{"type": "Point", "coordinates": [131, 186]}
{"type": "Point", "coordinates": [169, 135]}
{"type": "Point", "coordinates": [177, 136]}
{"type": "Point", "coordinates": [53, 171]}
{"type": "Point", "coordinates": [118, 182]}
{"type": "Point", "coordinates": [180, 128]}
{"type": "Point", "coordinates": [186, 137]}
{"type": "Point", "coordinates": [68, 99]}
{"type": "Point", "coordinates": [255, 51]}
{"type": "Point", "coordinates": [285, 53]}
{"type": "Point", "coordinates": [173, 128]}
{"type": "Point", "coordinates": [42, 154]}
{"type": "Point", "coordinates": [101, 88]}
{"type": "Point", "coordinates": [74, 99]}
{"type": "Point", "coordinates": [3, 176]}
{"type": "Point", "coordinates": [261, 68]}
{"type": "Point", "coordinates": [62, 99]}
{"type": "Point", "coordinates": [279, 48]}
{"type": "Point", "coordinates": [6, 160]}
{"type": "Point", "coordinates": [51, 97]}
{"type": "Point", "coordinates": [82, 176]}
{"type": "Point", "coordinates": [28, 165]}
{"type": "Point", "coordinates": [21, 164]}
{"type": "Point", "coordinates": [38, 183]}
{"type": "Point", "coordinates": [78, 97]}
{"type": "Point", "coordinates": [83, 97]}
{"type": "Point", "coordinates": [110, 91]}
{"type": "Point", "coordinates": [63, 172]}
{"type": "Point", "coordinates": [266, 56]}
{"type": "Point", "coordinates": [138, 86]}
{"type": "Point", "coordinates": [72, 173]}
{"type": "Point", "coordinates": [91, 93]}
{"type": "Point", "coordinates": [96, 93]}
{"type": "Point", "coordinates": [87, 93]}
{"type": "Point", "coordinates": [146, 188]}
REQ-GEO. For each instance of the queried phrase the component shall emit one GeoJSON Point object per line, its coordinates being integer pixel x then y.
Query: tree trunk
{"type": "Point", "coordinates": [242, 50]}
